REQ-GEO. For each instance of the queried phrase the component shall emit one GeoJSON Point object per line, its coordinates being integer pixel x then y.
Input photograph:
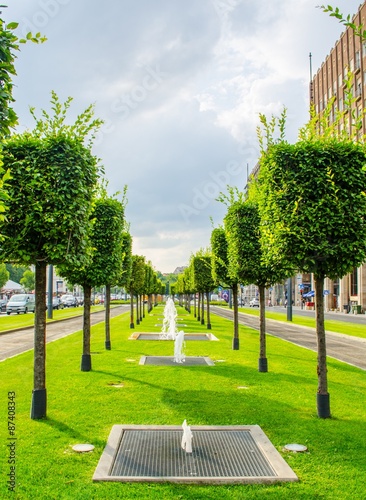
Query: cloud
{"type": "Point", "coordinates": [180, 86]}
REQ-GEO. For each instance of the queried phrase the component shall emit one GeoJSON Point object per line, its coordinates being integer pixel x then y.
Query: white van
{"type": "Point", "coordinates": [21, 302]}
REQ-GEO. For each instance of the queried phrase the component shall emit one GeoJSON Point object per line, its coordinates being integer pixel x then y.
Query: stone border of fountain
{"type": "Point", "coordinates": [187, 336]}
{"type": "Point", "coordinates": [155, 455]}
{"type": "Point", "coordinates": [170, 361]}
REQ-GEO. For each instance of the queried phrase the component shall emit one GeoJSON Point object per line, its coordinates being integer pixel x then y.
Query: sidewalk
{"type": "Point", "coordinates": [16, 342]}
{"type": "Point", "coordinates": [351, 350]}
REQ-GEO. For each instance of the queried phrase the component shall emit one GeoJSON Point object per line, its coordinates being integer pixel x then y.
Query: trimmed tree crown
{"type": "Point", "coordinates": [313, 205]}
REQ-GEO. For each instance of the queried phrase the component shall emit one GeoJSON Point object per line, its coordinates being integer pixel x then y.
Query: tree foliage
{"type": "Point", "coordinates": [16, 272]}
{"type": "Point", "coordinates": [28, 280]}
{"type": "Point", "coordinates": [52, 185]}
{"type": "Point", "coordinates": [313, 206]}
{"type": "Point", "coordinates": [4, 275]}
{"type": "Point", "coordinates": [219, 257]}
{"type": "Point", "coordinates": [347, 21]}
{"type": "Point", "coordinates": [202, 272]}
{"type": "Point", "coordinates": [9, 44]}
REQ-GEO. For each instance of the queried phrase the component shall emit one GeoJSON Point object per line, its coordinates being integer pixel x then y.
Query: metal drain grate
{"type": "Point", "coordinates": [220, 454]}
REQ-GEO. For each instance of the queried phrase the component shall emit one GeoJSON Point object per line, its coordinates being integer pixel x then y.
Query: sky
{"type": "Point", "coordinates": [180, 86]}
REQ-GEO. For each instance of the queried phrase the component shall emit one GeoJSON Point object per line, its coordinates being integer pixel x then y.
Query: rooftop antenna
{"type": "Point", "coordinates": [311, 69]}
{"type": "Point", "coordinates": [311, 95]}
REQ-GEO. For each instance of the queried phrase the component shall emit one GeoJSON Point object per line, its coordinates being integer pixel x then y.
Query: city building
{"type": "Point", "coordinates": [341, 76]}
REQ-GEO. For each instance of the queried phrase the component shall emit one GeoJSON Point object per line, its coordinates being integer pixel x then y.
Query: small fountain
{"type": "Point", "coordinates": [168, 330]}
{"type": "Point", "coordinates": [179, 356]}
{"type": "Point", "coordinates": [186, 438]}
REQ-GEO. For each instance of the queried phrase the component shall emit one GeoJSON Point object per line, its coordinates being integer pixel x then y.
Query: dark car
{"type": "Point", "coordinates": [69, 301]}
{"type": "Point", "coordinates": [3, 303]}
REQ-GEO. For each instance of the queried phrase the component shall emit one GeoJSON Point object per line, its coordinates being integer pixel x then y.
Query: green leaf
{"type": "Point", "coordinates": [12, 26]}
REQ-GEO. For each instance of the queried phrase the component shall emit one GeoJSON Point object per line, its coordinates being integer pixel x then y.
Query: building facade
{"type": "Point", "coordinates": [340, 85]}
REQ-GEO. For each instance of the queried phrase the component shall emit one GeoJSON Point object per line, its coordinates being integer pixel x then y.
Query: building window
{"type": "Point", "coordinates": [354, 282]}
{"type": "Point", "coordinates": [340, 104]}
{"type": "Point", "coordinates": [358, 60]}
{"type": "Point", "coordinates": [364, 49]}
{"type": "Point", "coordinates": [340, 80]}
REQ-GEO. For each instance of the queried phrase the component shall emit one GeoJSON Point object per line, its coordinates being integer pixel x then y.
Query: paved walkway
{"type": "Point", "coordinates": [13, 343]}
{"type": "Point", "coordinates": [351, 350]}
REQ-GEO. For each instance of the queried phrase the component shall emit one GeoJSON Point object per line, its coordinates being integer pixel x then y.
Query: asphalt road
{"type": "Point", "coordinates": [351, 350]}
{"type": "Point", "coordinates": [14, 343]}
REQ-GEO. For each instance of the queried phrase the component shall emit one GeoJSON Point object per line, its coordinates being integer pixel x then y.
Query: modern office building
{"type": "Point", "coordinates": [346, 62]}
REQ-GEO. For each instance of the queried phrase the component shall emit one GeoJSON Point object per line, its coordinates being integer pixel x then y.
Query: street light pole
{"type": "Point", "coordinates": [289, 299]}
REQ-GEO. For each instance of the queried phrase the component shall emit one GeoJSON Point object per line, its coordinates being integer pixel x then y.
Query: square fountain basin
{"type": "Point", "coordinates": [157, 336]}
{"type": "Point", "coordinates": [169, 361]}
{"type": "Point", "coordinates": [220, 455]}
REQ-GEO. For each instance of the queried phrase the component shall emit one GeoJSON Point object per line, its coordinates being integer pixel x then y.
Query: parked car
{"type": "Point", "coordinates": [3, 303]}
{"type": "Point", "coordinates": [21, 302]}
{"type": "Point", "coordinates": [57, 303]}
{"type": "Point", "coordinates": [80, 301]}
{"type": "Point", "coordinates": [69, 301]}
{"type": "Point", "coordinates": [254, 303]}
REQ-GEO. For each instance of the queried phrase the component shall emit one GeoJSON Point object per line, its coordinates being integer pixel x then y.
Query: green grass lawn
{"type": "Point", "coordinates": [83, 407]}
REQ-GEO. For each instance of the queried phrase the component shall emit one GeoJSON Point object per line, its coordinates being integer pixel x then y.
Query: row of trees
{"type": "Point", "coordinates": [144, 282]}
{"type": "Point", "coordinates": [55, 210]}
{"type": "Point", "coordinates": [303, 212]}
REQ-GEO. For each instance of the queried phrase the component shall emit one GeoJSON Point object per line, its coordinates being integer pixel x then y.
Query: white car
{"type": "Point", "coordinates": [254, 303]}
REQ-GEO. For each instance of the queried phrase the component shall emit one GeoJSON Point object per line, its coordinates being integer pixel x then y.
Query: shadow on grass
{"type": "Point", "coordinates": [68, 431]}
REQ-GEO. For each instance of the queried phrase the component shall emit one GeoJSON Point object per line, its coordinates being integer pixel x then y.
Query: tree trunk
{"type": "Point", "coordinates": [108, 317]}
{"type": "Point", "coordinates": [262, 362]}
{"type": "Point", "coordinates": [137, 310]}
{"type": "Point", "coordinates": [195, 304]}
{"type": "Point", "coordinates": [199, 308]}
{"type": "Point", "coordinates": [39, 394]}
{"type": "Point", "coordinates": [86, 356]}
{"type": "Point", "coordinates": [323, 404]}
{"type": "Point", "coordinates": [236, 320]}
{"type": "Point", "coordinates": [142, 307]}
{"type": "Point", "coordinates": [132, 325]}
{"type": "Point", "coordinates": [203, 309]}
{"type": "Point", "coordinates": [208, 311]}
